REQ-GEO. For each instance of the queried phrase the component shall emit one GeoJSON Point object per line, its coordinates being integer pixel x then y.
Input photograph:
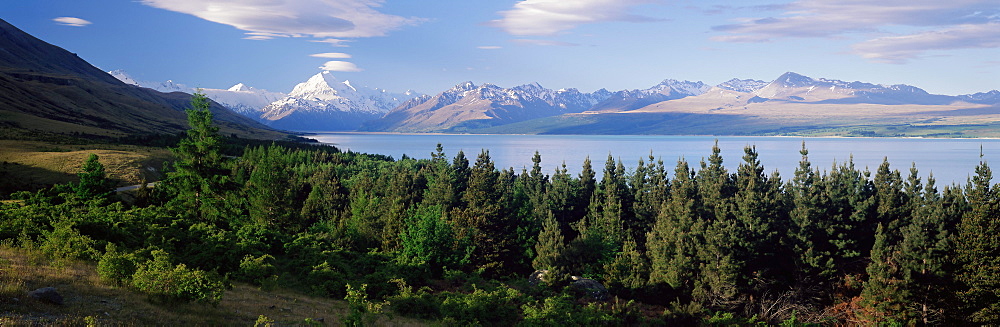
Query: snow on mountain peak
{"type": "Point", "coordinates": [743, 85]}
{"type": "Point", "coordinates": [240, 88]}
{"type": "Point", "coordinates": [121, 75]}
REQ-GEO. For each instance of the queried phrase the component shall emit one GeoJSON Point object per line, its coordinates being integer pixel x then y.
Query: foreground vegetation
{"type": "Point", "coordinates": [453, 241]}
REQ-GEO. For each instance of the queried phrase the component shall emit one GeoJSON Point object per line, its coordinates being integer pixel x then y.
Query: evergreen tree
{"type": "Point", "coordinates": [673, 243]}
{"type": "Point", "coordinates": [882, 293]}
{"type": "Point", "coordinates": [328, 198]}
{"type": "Point", "coordinates": [809, 224]}
{"type": "Point", "coordinates": [978, 250]}
{"type": "Point", "coordinates": [550, 249]}
{"type": "Point", "coordinates": [758, 219]}
{"type": "Point", "coordinates": [629, 271]}
{"type": "Point", "coordinates": [924, 254]}
{"type": "Point", "coordinates": [199, 176]}
{"type": "Point", "coordinates": [94, 183]}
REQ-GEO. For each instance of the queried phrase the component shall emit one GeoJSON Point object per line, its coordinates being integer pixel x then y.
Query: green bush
{"type": "Point", "coordinates": [65, 242]}
{"type": "Point", "coordinates": [561, 310]}
{"type": "Point", "coordinates": [160, 279]}
{"type": "Point", "coordinates": [418, 304]}
{"type": "Point", "coordinates": [498, 307]}
{"type": "Point", "coordinates": [257, 269]}
{"type": "Point", "coordinates": [116, 267]}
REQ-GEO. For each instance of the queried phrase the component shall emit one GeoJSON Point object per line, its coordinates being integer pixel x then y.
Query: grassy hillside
{"type": "Point", "coordinates": [87, 300]}
{"type": "Point", "coordinates": [30, 165]}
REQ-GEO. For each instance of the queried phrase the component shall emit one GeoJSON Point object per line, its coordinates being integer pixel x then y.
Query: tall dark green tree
{"type": "Point", "coordinates": [676, 237]}
{"type": "Point", "coordinates": [978, 250]}
{"type": "Point", "coordinates": [199, 175]}
{"type": "Point", "coordinates": [94, 182]}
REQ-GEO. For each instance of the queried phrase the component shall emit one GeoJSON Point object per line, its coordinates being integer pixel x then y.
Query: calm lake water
{"type": "Point", "coordinates": [950, 160]}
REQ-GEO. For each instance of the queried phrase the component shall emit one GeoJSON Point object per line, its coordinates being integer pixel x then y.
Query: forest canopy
{"type": "Point", "coordinates": [454, 238]}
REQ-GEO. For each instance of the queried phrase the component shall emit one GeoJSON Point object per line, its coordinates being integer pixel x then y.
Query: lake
{"type": "Point", "coordinates": [950, 160]}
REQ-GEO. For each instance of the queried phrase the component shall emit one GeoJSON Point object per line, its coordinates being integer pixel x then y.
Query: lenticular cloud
{"type": "Point", "coordinates": [296, 18]}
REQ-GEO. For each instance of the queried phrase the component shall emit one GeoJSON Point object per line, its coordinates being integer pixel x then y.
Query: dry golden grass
{"type": "Point", "coordinates": [87, 300]}
{"type": "Point", "coordinates": [39, 163]}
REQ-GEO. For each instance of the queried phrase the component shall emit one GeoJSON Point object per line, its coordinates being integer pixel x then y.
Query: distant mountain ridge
{"type": "Point", "coordinates": [46, 89]}
{"type": "Point", "coordinates": [321, 103]}
{"type": "Point", "coordinates": [671, 105]}
{"type": "Point", "coordinates": [469, 106]}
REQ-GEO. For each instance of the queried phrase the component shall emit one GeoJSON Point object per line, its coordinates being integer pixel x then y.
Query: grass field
{"type": "Point", "coordinates": [29, 165]}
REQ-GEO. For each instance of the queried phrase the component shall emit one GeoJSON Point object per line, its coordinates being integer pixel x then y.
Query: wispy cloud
{"type": "Point", "coordinates": [265, 19]}
{"type": "Point", "coordinates": [71, 21]}
{"type": "Point", "coordinates": [899, 49]}
{"type": "Point", "coordinates": [331, 55]}
{"type": "Point", "coordinates": [550, 17]}
{"type": "Point", "coordinates": [543, 42]}
{"type": "Point", "coordinates": [489, 47]}
{"type": "Point", "coordinates": [952, 24]}
{"type": "Point", "coordinates": [340, 66]}
{"type": "Point", "coordinates": [340, 43]}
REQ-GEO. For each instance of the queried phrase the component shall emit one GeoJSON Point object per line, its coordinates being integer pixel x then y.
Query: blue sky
{"type": "Point", "coordinates": [946, 47]}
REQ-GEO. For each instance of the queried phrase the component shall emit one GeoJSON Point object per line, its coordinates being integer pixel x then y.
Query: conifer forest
{"type": "Point", "coordinates": [456, 240]}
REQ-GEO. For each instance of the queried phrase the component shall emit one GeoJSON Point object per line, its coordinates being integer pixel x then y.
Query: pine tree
{"type": "Point", "coordinates": [629, 271]}
{"type": "Point", "coordinates": [882, 293]}
{"type": "Point", "coordinates": [808, 231]}
{"type": "Point", "coordinates": [673, 243]}
{"type": "Point", "coordinates": [978, 250]}
{"type": "Point", "coordinates": [550, 249]}
{"type": "Point", "coordinates": [199, 176]}
{"type": "Point", "coordinates": [924, 253]}
{"type": "Point", "coordinates": [758, 219]}
{"type": "Point", "coordinates": [94, 183]}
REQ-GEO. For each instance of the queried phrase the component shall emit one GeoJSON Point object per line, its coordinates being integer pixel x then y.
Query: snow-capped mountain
{"type": "Point", "coordinates": [991, 97]}
{"type": "Point", "coordinates": [743, 85]}
{"type": "Point", "coordinates": [798, 88]}
{"type": "Point", "coordinates": [325, 103]}
{"type": "Point", "coordinates": [467, 105]}
{"type": "Point", "coordinates": [245, 100]}
{"type": "Point", "coordinates": [165, 87]}
{"type": "Point", "coordinates": [668, 89]}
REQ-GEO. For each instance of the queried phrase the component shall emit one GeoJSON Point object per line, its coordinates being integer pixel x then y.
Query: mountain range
{"type": "Point", "coordinates": [44, 88]}
{"type": "Point", "coordinates": [790, 104]}
{"type": "Point", "coordinates": [46, 91]}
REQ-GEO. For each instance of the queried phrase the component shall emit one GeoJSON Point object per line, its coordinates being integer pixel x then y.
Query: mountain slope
{"type": "Point", "coordinates": [469, 106]}
{"type": "Point", "coordinates": [791, 104]}
{"type": "Point", "coordinates": [324, 103]}
{"type": "Point", "coordinates": [46, 89]}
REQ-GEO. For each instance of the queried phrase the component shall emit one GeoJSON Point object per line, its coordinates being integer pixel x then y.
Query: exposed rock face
{"type": "Point", "coordinates": [47, 294]}
{"type": "Point", "coordinates": [591, 287]}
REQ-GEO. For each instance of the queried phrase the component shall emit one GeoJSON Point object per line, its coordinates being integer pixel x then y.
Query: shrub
{"type": "Point", "coordinates": [65, 242]}
{"type": "Point", "coordinates": [116, 267]}
{"type": "Point", "coordinates": [561, 310]}
{"type": "Point", "coordinates": [257, 269]}
{"type": "Point", "coordinates": [160, 279]}
{"type": "Point", "coordinates": [418, 304]}
{"type": "Point", "coordinates": [499, 307]}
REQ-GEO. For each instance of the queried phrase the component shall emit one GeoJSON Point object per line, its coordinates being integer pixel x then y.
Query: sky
{"type": "Point", "coordinates": [945, 47]}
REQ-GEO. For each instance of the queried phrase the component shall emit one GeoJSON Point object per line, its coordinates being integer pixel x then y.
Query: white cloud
{"type": "Point", "coordinates": [549, 17]}
{"type": "Point", "coordinates": [334, 42]}
{"type": "Point", "coordinates": [952, 24]}
{"type": "Point", "coordinates": [899, 49]}
{"type": "Point", "coordinates": [296, 18]}
{"type": "Point", "coordinates": [340, 66]}
{"type": "Point", "coordinates": [331, 55]}
{"type": "Point", "coordinates": [543, 42]}
{"type": "Point", "coordinates": [489, 47]}
{"type": "Point", "coordinates": [71, 21]}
